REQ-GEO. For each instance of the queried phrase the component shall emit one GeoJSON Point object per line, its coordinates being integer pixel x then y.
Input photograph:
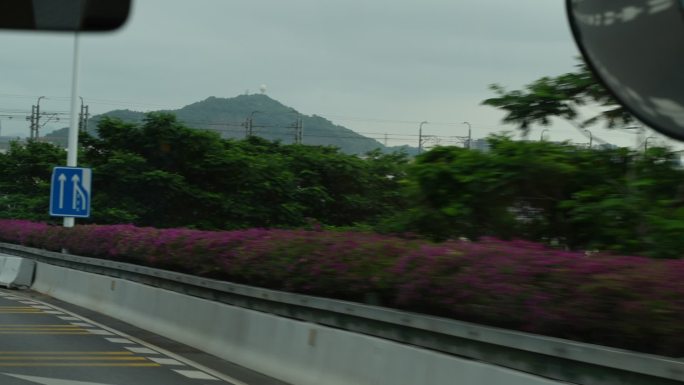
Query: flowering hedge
{"type": "Point", "coordinates": [629, 302]}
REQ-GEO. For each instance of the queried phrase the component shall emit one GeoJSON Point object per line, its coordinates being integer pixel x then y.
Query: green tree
{"type": "Point", "coordinates": [454, 192]}
{"type": "Point", "coordinates": [162, 173]}
{"type": "Point", "coordinates": [559, 97]}
{"type": "Point", "coordinates": [636, 208]}
{"type": "Point", "coordinates": [25, 185]}
{"type": "Point", "coordinates": [614, 200]}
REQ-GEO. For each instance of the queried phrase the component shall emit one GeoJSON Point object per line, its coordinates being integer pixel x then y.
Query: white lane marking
{"type": "Point", "coordinates": [141, 350]}
{"type": "Point", "coordinates": [195, 375]}
{"type": "Point", "coordinates": [82, 324]}
{"type": "Point", "coordinates": [100, 332]}
{"type": "Point", "coordinates": [52, 312]}
{"type": "Point", "coordinates": [76, 317]}
{"type": "Point", "coordinates": [41, 307]}
{"type": "Point", "coordinates": [29, 302]}
{"type": "Point", "coordinates": [50, 381]}
{"type": "Point", "coordinates": [165, 361]}
{"type": "Point", "coordinates": [120, 341]}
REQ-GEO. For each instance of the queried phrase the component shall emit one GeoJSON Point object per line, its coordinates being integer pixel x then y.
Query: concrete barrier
{"type": "Point", "coordinates": [16, 272]}
{"type": "Point", "coordinates": [294, 351]}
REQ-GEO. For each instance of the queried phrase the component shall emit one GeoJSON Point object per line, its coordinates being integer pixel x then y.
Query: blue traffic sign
{"type": "Point", "coordinates": [70, 192]}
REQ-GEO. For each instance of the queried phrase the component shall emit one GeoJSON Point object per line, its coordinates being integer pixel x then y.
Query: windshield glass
{"type": "Point", "coordinates": [453, 158]}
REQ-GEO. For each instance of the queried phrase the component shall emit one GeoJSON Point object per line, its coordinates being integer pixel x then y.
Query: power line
{"type": "Point", "coordinates": [93, 101]}
{"type": "Point", "coordinates": [129, 103]}
{"type": "Point", "coordinates": [297, 127]}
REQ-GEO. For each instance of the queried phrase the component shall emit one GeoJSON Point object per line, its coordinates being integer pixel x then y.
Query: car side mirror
{"type": "Point", "coordinates": [64, 15]}
{"type": "Point", "coordinates": [636, 48]}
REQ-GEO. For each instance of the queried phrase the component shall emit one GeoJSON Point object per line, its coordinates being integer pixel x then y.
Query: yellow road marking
{"type": "Point", "coordinates": [121, 352]}
{"type": "Point", "coordinates": [29, 326]}
{"type": "Point", "coordinates": [22, 312]}
{"type": "Point", "coordinates": [31, 364]}
{"type": "Point", "coordinates": [43, 329]}
{"type": "Point", "coordinates": [22, 331]}
{"type": "Point", "coordinates": [37, 325]}
{"type": "Point", "coordinates": [72, 358]}
{"type": "Point", "coordinates": [75, 332]}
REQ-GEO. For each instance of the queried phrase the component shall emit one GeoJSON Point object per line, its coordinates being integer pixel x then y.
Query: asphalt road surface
{"type": "Point", "coordinates": [42, 343]}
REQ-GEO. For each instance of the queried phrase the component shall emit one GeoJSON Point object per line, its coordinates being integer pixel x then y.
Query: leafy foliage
{"type": "Point", "coordinates": [25, 182]}
{"type": "Point", "coordinates": [559, 97]}
{"type": "Point", "coordinates": [161, 173]}
{"type": "Point", "coordinates": [607, 199]}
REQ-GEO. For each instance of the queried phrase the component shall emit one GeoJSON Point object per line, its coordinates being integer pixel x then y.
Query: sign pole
{"type": "Point", "coordinates": [72, 148]}
{"type": "Point", "coordinates": [71, 186]}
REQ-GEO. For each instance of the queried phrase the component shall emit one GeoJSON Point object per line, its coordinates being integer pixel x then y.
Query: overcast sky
{"type": "Point", "coordinates": [377, 66]}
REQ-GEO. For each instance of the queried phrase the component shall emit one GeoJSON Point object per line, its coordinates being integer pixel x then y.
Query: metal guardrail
{"type": "Point", "coordinates": [554, 358]}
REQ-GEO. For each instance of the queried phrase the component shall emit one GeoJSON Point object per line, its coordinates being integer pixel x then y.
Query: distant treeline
{"type": "Point", "coordinates": [163, 174]}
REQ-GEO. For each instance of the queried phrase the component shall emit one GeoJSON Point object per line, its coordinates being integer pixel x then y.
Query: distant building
{"type": "Point", "coordinates": [480, 145]}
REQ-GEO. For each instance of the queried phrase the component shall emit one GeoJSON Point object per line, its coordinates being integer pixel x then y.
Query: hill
{"type": "Point", "coordinates": [272, 120]}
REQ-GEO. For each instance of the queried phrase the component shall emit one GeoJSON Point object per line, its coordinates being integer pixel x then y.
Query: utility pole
{"type": "Point", "coordinates": [83, 117]}
{"type": "Point", "coordinates": [36, 124]}
{"type": "Point", "coordinates": [385, 139]}
{"type": "Point", "coordinates": [298, 126]}
{"type": "Point", "coordinates": [80, 118]}
{"type": "Point", "coordinates": [591, 138]}
{"type": "Point", "coordinates": [469, 134]}
{"type": "Point", "coordinates": [420, 137]}
{"type": "Point", "coordinates": [295, 127]}
{"type": "Point", "coordinates": [299, 130]}
{"type": "Point", "coordinates": [35, 120]}
{"type": "Point", "coordinates": [646, 143]}
{"type": "Point", "coordinates": [250, 124]}
{"type": "Point", "coordinates": [32, 121]}
{"type": "Point", "coordinates": [36, 128]}
{"type": "Point", "coordinates": [246, 125]}
{"type": "Point", "coordinates": [541, 137]}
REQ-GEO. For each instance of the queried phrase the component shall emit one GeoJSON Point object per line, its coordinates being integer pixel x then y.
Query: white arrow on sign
{"type": "Point", "coordinates": [78, 192]}
{"type": "Point", "coordinates": [62, 178]}
{"type": "Point", "coordinates": [75, 179]}
{"type": "Point", "coordinates": [50, 381]}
